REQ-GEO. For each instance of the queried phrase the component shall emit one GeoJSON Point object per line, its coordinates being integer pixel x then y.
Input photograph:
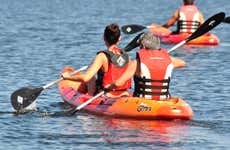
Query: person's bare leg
{"type": "Point", "coordinates": [91, 86]}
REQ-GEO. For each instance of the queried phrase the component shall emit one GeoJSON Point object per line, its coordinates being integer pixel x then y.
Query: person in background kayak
{"type": "Point", "coordinates": [109, 65]}
{"type": "Point", "coordinates": [188, 18]}
{"type": "Point", "coordinates": [151, 69]}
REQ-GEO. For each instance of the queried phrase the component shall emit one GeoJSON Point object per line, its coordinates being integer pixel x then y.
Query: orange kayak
{"type": "Point", "coordinates": [166, 37]}
{"type": "Point", "coordinates": [125, 107]}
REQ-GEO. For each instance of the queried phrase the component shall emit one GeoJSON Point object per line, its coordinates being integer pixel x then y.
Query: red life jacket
{"type": "Point", "coordinates": [117, 66]}
{"type": "Point", "coordinates": [189, 19]}
{"type": "Point", "coordinates": [155, 73]}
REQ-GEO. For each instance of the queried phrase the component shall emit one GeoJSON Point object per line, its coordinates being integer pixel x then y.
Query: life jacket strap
{"type": "Point", "coordinates": [182, 24]}
{"type": "Point", "coordinates": [119, 60]}
{"type": "Point", "coordinates": [144, 87]}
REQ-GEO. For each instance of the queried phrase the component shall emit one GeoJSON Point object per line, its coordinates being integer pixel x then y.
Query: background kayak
{"type": "Point", "coordinates": [167, 37]}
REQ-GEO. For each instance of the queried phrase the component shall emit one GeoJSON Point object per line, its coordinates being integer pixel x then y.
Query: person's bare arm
{"type": "Point", "coordinates": [172, 20]}
{"type": "Point", "coordinates": [177, 62]}
{"type": "Point", "coordinates": [91, 72]}
{"type": "Point", "coordinates": [201, 18]}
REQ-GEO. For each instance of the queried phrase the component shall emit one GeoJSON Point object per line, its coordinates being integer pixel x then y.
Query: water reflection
{"type": "Point", "coordinates": [85, 128]}
{"type": "Point", "coordinates": [119, 130]}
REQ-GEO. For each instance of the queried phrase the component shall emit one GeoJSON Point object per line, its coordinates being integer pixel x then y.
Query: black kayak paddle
{"type": "Point", "coordinates": [23, 97]}
{"type": "Point", "coordinates": [134, 43]}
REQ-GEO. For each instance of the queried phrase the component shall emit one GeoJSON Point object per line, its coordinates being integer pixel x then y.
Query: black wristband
{"type": "Point", "coordinates": [110, 87]}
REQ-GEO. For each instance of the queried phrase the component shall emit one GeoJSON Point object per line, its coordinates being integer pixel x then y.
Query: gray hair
{"type": "Point", "coordinates": [150, 41]}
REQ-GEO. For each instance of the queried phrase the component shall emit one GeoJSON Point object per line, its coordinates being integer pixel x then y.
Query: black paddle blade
{"type": "Point", "coordinates": [208, 25]}
{"type": "Point", "coordinates": [134, 43]}
{"type": "Point", "coordinates": [226, 19]}
{"type": "Point", "coordinates": [132, 28]}
{"type": "Point", "coordinates": [23, 97]}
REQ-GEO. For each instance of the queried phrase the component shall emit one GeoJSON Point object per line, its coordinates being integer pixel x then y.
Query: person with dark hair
{"type": "Point", "coordinates": [188, 18]}
{"type": "Point", "coordinates": [109, 65]}
{"type": "Point", "coordinates": [152, 69]}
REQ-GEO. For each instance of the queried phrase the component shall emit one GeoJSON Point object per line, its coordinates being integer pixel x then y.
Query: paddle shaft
{"type": "Point", "coordinates": [177, 46]}
{"type": "Point", "coordinates": [156, 26]}
{"type": "Point", "coordinates": [107, 89]}
{"type": "Point", "coordinates": [72, 111]}
{"type": "Point", "coordinates": [58, 80]}
{"type": "Point", "coordinates": [89, 101]}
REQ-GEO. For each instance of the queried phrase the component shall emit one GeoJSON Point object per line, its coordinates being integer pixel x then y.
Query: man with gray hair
{"type": "Point", "coordinates": [151, 69]}
{"type": "Point", "coordinates": [150, 41]}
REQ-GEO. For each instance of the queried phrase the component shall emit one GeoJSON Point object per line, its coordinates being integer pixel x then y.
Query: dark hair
{"type": "Point", "coordinates": [112, 33]}
{"type": "Point", "coordinates": [188, 2]}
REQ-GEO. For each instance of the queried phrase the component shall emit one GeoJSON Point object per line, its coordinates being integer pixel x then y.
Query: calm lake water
{"type": "Point", "coordinates": [39, 37]}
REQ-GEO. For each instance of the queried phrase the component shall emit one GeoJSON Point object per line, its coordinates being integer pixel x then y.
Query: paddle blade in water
{"type": "Point", "coordinates": [208, 25]}
{"type": "Point", "coordinates": [23, 97]}
{"type": "Point", "coordinates": [227, 19]}
{"type": "Point", "coordinates": [134, 43]}
{"type": "Point", "coordinates": [133, 28]}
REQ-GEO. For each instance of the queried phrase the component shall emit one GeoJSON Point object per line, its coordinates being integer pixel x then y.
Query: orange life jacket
{"type": "Point", "coordinates": [155, 73]}
{"type": "Point", "coordinates": [117, 66]}
{"type": "Point", "coordinates": [189, 19]}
